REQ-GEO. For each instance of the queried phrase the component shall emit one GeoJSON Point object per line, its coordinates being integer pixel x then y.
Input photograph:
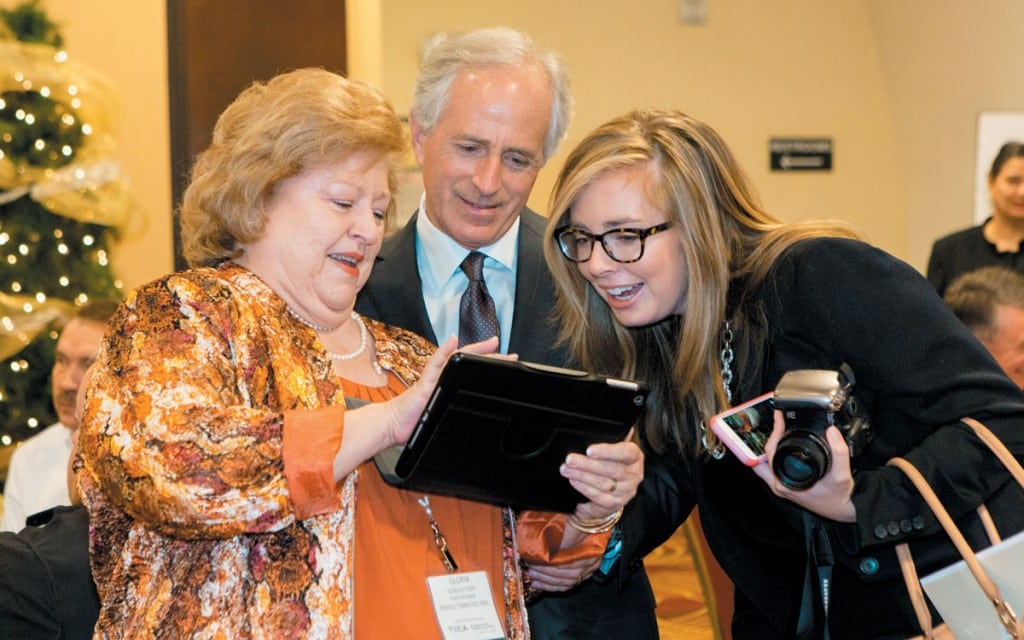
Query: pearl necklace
{"type": "Point", "coordinates": [363, 339]}
{"type": "Point", "coordinates": [362, 342]}
{"type": "Point", "coordinates": [314, 327]}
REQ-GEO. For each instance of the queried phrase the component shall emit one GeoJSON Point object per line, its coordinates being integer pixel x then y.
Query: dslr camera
{"type": "Point", "coordinates": [812, 400]}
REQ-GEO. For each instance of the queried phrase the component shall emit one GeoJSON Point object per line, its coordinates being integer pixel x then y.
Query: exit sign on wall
{"type": "Point", "coordinates": [801, 154]}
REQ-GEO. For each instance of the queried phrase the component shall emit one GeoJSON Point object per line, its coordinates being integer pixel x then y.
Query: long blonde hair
{"type": "Point", "coordinates": [725, 237]}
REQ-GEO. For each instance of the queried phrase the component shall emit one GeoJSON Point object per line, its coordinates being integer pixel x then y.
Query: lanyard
{"type": "Point", "coordinates": [439, 540]}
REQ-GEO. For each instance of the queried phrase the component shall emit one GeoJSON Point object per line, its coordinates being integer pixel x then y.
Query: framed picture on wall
{"type": "Point", "coordinates": [995, 128]}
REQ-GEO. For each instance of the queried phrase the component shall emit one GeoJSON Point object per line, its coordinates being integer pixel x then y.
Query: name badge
{"type": "Point", "coordinates": [464, 607]}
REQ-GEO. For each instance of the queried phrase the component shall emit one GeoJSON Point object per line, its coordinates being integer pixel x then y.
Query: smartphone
{"type": "Point", "coordinates": [745, 428]}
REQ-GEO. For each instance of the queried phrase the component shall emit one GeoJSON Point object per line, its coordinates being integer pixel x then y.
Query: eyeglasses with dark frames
{"type": "Point", "coordinates": [621, 245]}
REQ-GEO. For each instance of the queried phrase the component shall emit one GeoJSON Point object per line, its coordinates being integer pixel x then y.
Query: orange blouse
{"type": "Point", "coordinates": [395, 547]}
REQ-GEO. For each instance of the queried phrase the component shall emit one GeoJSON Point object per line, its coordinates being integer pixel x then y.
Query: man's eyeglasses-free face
{"type": "Point", "coordinates": [621, 245]}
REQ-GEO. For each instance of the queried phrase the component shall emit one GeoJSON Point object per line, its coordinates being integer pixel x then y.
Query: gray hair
{"type": "Point", "coordinates": [974, 296]}
{"type": "Point", "coordinates": [490, 47]}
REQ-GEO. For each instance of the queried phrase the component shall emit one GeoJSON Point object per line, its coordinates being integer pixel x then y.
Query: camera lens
{"type": "Point", "coordinates": [798, 468]}
{"type": "Point", "coordinates": [801, 459]}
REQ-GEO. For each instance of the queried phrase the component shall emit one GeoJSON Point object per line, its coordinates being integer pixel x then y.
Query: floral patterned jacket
{"type": "Point", "coordinates": [193, 533]}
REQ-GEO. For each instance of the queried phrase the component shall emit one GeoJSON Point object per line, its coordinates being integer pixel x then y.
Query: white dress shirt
{"type": "Point", "coordinates": [38, 476]}
{"type": "Point", "coordinates": [438, 257]}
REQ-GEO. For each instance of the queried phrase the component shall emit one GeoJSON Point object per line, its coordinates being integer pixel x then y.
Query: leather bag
{"type": "Point", "coordinates": [967, 620]}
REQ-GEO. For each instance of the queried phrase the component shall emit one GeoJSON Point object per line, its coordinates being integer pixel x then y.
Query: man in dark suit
{"type": "Point", "coordinates": [489, 109]}
{"type": "Point", "coordinates": [46, 586]}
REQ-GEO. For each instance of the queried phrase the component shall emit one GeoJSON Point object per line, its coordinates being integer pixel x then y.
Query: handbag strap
{"type": "Point", "coordinates": [989, 524]}
{"type": "Point", "coordinates": [1003, 610]}
{"type": "Point", "coordinates": [998, 448]}
{"type": "Point", "coordinates": [909, 570]}
{"type": "Point", "coordinates": [1009, 461]}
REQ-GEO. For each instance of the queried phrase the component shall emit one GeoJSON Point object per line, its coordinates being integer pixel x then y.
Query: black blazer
{"type": "Point", "coordinates": [620, 607]}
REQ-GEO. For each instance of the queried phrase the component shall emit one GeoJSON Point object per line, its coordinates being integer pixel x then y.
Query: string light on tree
{"type": "Point", "coordinates": [63, 205]}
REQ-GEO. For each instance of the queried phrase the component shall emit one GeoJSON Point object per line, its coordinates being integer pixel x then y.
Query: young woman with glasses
{"type": "Point", "coordinates": [669, 270]}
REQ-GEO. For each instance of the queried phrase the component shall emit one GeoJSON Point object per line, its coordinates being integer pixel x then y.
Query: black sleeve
{"type": "Point", "coordinates": [27, 604]}
{"type": "Point", "coordinates": [663, 502]}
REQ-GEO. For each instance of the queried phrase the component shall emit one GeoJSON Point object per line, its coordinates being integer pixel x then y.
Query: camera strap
{"type": "Point", "coordinates": [813, 621]}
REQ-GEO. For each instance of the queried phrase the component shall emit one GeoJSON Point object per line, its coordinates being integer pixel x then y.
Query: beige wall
{"type": "Point", "coordinates": [126, 41]}
{"type": "Point", "coordinates": [945, 62]}
{"type": "Point", "coordinates": [755, 70]}
{"type": "Point", "coordinates": [897, 85]}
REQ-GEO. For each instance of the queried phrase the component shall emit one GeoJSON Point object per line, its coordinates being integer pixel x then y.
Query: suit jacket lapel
{"type": "Point", "coordinates": [532, 334]}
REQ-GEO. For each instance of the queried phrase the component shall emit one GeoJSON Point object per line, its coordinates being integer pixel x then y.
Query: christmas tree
{"type": "Point", "coordinates": [63, 204]}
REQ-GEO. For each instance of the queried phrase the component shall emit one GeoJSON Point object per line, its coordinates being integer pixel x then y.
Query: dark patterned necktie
{"type": "Point", "coordinates": [478, 319]}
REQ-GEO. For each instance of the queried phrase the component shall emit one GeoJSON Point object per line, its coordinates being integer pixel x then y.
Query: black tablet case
{"type": "Point", "coordinates": [497, 430]}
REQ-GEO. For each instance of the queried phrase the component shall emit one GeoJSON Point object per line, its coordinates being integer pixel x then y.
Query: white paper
{"type": "Point", "coordinates": [962, 603]}
{"type": "Point", "coordinates": [995, 128]}
{"type": "Point", "coordinates": [464, 606]}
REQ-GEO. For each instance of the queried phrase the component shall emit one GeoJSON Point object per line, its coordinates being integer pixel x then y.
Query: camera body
{"type": "Point", "coordinates": [812, 400]}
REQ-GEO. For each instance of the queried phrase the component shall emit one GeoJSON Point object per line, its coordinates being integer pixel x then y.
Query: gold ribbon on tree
{"type": "Point", "coordinates": [23, 318]}
{"type": "Point", "coordinates": [91, 188]}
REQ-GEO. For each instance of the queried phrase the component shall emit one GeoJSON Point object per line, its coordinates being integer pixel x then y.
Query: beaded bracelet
{"type": "Point", "coordinates": [598, 525]}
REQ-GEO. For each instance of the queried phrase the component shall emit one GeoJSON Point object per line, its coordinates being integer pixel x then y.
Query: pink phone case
{"type": "Point", "coordinates": [756, 432]}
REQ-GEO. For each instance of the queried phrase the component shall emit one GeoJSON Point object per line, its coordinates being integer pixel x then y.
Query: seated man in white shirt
{"type": "Point", "coordinates": [36, 479]}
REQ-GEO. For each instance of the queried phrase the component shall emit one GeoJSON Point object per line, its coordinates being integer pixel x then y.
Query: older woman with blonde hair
{"type": "Point", "coordinates": [668, 269]}
{"type": "Point", "coordinates": [229, 485]}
